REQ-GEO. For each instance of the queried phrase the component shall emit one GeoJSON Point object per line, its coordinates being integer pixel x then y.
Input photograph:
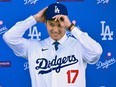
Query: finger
{"type": "Point", "coordinates": [60, 18]}
{"type": "Point", "coordinates": [45, 8]}
{"type": "Point", "coordinates": [55, 18]}
{"type": "Point", "coordinates": [60, 21]}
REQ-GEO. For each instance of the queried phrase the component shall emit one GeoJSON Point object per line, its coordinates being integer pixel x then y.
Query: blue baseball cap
{"type": "Point", "coordinates": [55, 9]}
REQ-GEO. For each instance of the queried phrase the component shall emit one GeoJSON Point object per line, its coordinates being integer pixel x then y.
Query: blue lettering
{"type": "Point", "coordinates": [46, 66]}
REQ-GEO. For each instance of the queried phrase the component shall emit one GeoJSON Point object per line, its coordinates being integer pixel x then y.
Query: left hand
{"type": "Point", "coordinates": [40, 16]}
{"type": "Point", "coordinates": [63, 20]}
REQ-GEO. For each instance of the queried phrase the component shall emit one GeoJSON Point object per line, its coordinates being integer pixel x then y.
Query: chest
{"type": "Point", "coordinates": [46, 57]}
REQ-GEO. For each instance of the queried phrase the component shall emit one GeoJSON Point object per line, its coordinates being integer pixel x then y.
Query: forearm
{"type": "Point", "coordinates": [92, 49]}
{"type": "Point", "coordinates": [18, 30]}
{"type": "Point", "coordinates": [14, 36]}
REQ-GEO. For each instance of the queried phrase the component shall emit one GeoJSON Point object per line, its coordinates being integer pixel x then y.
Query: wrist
{"type": "Point", "coordinates": [71, 26]}
{"type": "Point", "coordinates": [36, 18]}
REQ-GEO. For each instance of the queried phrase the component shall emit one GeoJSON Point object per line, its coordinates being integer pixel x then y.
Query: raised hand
{"type": "Point", "coordinates": [40, 16]}
{"type": "Point", "coordinates": [63, 20]}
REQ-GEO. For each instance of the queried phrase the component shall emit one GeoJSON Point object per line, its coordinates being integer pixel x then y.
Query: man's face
{"type": "Point", "coordinates": [55, 30]}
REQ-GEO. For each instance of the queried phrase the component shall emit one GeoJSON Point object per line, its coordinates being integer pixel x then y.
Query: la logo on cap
{"type": "Point", "coordinates": [56, 10]}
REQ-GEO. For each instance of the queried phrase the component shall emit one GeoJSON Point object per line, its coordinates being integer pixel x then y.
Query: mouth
{"type": "Point", "coordinates": [55, 34]}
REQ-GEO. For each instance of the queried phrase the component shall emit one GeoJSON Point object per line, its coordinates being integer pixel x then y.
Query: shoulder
{"type": "Point", "coordinates": [35, 41]}
{"type": "Point", "coordinates": [74, 41]}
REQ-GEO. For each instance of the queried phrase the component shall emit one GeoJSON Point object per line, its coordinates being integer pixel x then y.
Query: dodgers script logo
{"type": "Point", "coordinates": [46, 66]}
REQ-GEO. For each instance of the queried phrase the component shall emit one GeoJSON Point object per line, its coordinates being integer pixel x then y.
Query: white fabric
{"type": "Point", "coordinates": [61, 65]}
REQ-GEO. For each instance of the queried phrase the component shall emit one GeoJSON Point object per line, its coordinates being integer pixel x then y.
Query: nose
{"type": "Point", "coordinates": [56, 29]}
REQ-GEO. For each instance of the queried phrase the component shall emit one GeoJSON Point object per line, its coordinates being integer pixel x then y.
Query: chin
{"type": "Point", "coordinates": [55, 38]}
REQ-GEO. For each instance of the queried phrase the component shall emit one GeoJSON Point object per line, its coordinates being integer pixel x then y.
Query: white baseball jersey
{"type": "Point", "coordinates": [49, 68]}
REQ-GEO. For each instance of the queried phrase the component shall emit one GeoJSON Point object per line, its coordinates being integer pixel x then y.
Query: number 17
{"type": "Point", "coordinates": [74, 77]}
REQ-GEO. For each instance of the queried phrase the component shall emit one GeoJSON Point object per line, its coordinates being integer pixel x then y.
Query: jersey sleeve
{"type": "Point", "coordinates": [14, 37]}
{"type": "Point", "coordinates": [92, 50]}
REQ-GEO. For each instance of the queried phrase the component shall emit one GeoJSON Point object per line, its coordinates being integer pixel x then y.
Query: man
{"type": "Point", "coordinates": [59, 60]}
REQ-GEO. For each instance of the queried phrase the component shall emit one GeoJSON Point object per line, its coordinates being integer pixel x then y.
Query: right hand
{"type": "Point", "coordinates": [40, 16]}
{"type": "Point", "coordinates": [63, 20]}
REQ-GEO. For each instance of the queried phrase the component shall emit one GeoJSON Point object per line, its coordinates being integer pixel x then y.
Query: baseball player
{"type": "Point", "coordinates": [59, 60]}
